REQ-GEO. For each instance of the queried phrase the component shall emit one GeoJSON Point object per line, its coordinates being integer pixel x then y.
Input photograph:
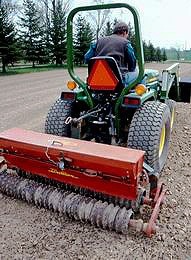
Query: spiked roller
{"type": "Point", "coordinates": [97, 183]}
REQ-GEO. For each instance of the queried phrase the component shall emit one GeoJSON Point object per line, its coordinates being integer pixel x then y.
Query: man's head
{"type": "Point", "coordinates": [121, 29]}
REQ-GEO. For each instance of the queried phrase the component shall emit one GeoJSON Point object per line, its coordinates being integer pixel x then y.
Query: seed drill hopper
{"type": "Point", "coordinates": [80, 166]}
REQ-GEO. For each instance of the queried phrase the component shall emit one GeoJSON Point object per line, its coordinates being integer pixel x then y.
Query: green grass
{"type": "Point", "coordinates": [27, 69]}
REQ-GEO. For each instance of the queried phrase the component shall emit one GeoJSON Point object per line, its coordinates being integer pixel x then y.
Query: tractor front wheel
{"type": "Point", "coordinates": [57, 115]}
{"type": "Point", "coordinates": [150, 131]}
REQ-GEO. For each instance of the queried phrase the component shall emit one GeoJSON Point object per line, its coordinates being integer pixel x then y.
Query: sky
{"type": "Point", "coordinates": [166, 23]}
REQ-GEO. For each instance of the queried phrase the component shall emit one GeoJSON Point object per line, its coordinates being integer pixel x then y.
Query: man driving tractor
{"type": "Point", "coordinates": [119, 47]}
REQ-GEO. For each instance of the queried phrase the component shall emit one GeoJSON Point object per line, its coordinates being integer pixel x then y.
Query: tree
{"type": "Point", "coordinates": [158, 54]}
{"type": "Point", "coordinates": [99, 19]}
{"type": "Point", "coordinates": [58, 30]}
{"type": "Point", "coordinates": [115, 22]}
{"type": "Point", "coordinates": [83, 38]}
{"type": "Point", "coordinates": [31, 32]}
{"type": "Point", "coordinates": [108, 29]}
{"type": "Point", "coordinates": [146, 51]}
{"type": "Point", "coordinates": [164, 56]}
{"type": "Point", "coordinates": [178, 52]}
{"type": "Point", "coordinates": [151, 52]}
{"type": "Point", "coordinates": [53, 19]}
{"type": "Point", "coordinates": [131, 36]}
{"type": "Point", "coordinates": [8, 42]}
{"type": "Point", "coordinates": [11, 6]}
{"type": "Point", "coordinates": [45, 16]}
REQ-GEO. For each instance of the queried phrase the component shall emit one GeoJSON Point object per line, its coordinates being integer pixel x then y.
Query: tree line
{"type": "Point", "coordinates": [38, 34]}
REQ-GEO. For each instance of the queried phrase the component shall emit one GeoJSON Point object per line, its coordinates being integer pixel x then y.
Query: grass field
{"type": "Point", "coordinates": [22, 68]}
{"type": "Point", "coordinates": [27, 68]}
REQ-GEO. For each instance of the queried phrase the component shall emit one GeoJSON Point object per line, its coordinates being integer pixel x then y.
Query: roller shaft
{"type": "Point", "coordinates": [121, 202]}
{"type": "Point", "coordinates": [85, 209]}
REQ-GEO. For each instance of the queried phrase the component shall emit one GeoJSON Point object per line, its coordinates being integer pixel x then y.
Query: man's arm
{"type": "Point", "coordinates": [131, 59]}
{"type": "Point", "coordinates": [90, 53]}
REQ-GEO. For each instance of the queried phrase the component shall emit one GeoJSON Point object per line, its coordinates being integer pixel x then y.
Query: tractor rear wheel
{"type": "Point", "coordinates": [57, 115]}
{"type": "Point", "coordinates": [150, 131]}
{"type": "Point", "coordinates": [172, 105]}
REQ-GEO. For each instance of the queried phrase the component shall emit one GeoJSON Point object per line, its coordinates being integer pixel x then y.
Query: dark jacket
{"type": "Point", "coordinates": [115, 46]}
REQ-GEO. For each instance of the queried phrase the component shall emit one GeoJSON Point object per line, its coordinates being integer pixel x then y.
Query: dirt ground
{"type": "Point", "coordinates": [27, 232]}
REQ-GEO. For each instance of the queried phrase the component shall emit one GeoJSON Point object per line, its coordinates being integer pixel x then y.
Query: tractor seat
{"type": "Point", "coordinates": [104, 74]}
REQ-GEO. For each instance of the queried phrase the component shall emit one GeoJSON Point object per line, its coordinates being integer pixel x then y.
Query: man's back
{"type": "Point", "coordinates": [113, 46]}
{"type": "Point", "coordinates": [116, 46]}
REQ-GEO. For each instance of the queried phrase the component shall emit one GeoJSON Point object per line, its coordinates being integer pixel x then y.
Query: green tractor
{"type": "Point", "coordinates": [103, 110]}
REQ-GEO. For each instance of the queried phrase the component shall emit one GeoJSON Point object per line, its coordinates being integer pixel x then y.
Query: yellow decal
{"type": "Point", "coordinates": [152, 79]}
{"type": "Point", "coordinates": [62, 143]}
{"type": "Point", "coordinates": [69, 143]}
{"type": "Point", "coordinates": [62, 173]}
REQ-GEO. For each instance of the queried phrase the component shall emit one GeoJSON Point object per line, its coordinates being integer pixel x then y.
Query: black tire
{"type": "Point", "coordinates": [55, 120]}
{"type": "Point", "coordinates": [149, 123]}
{"type": "Point", "coordinates": [172, 106]}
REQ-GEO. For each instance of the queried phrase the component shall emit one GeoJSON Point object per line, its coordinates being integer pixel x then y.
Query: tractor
{"type": "Point", "coordinates": [104, 146]}
{"type": "Point", "coordinates": [105, 110]}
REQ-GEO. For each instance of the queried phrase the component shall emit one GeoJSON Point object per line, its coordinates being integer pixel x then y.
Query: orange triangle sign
{"type": "Point", "coordinates": [102, 77]}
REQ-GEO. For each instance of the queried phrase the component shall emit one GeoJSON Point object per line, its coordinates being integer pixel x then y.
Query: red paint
{"type": "Point", "coordinates": [118, 168]}
{"type": "Point", "coordinates": [158, 200]}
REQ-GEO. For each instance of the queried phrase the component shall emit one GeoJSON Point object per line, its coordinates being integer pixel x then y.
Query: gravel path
{"type": "Point", "coordinates": [27, 232]}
